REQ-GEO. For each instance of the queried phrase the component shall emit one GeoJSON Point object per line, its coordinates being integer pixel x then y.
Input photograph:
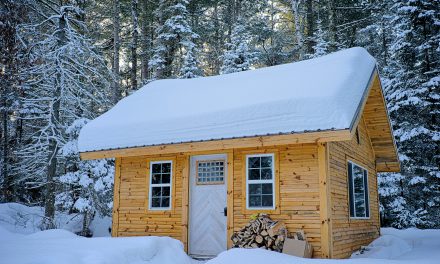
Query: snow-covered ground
{"type": "Point", "coordinates": [21, 219]}
{"type": "Point", "coordinates": [21, 243]}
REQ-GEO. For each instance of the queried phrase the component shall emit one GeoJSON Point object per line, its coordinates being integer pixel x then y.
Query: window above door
{"type": "Point", "coordinates": [210, 172]}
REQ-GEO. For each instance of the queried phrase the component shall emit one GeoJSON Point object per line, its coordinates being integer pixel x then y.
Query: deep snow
{"type": "Point", "coordinates": [21, 243]}
{"type": "Point", "coordinates": [318, 94]}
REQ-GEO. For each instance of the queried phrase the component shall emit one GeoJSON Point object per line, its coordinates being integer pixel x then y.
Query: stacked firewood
{"type": "Point", "coordinates": [261, 232]}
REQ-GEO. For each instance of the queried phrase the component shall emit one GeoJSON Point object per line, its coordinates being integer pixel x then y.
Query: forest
{"type": "Point", "coordinates": [65, 62]}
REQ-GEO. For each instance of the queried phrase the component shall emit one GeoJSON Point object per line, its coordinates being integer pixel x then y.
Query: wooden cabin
{"type": "Point", "coordinates": [302, 142]}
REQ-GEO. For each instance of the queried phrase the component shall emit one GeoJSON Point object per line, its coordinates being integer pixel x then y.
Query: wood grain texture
{"type": "Point", "coordinates": [350, 234]}
{"type": "Point", "coordinates": [225, 144]}
{"type": "Point", "coordinates": [325, 200]}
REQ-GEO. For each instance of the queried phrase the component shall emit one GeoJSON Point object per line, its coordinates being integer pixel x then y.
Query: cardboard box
{"type": "Point", "coordinates": [299, 248]}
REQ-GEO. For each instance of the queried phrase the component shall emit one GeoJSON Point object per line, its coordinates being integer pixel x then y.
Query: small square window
{"type": "Point", "coordinates": [210, 172]}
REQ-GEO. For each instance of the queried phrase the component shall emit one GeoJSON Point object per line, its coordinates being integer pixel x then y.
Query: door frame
{"type": "Point", "coordinates": [186, 174]}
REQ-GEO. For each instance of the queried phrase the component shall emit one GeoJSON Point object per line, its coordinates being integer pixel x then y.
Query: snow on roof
{"type": "Point", "coordinates": [317, 94]}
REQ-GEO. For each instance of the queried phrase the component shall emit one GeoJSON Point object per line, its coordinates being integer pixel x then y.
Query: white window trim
{"type": "Point", "coordinates": [160, 185]}
{"type": "Point", "coordinates": [260, 181]}
{"type": "Point", "coordinates": [366, 190]}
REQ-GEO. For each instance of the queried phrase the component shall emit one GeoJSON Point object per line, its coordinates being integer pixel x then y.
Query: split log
{"type": "Point", "coordinates": [261, 232]}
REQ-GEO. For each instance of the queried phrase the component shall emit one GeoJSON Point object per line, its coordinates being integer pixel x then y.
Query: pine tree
{"type": "Point", "coordinates": [173, 34]}
{"type": "Point", "coordinates": [68, 79]}
{"type": "Point", "coordinates": [321, 46]}
{"type": "Point", "coordinates": [87, 185]}
{"type": "Point", "coordinates": [413, 93]}
{"type": "Point", "coordinates": [238, 56]}
{"type": "Point", "coordinates": [190, 67]}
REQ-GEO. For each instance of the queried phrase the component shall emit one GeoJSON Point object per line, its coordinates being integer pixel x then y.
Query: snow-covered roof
{"type": "Point", "coordinates": [317, 94]}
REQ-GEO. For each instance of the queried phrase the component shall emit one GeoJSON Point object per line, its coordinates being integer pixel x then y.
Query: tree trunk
{"type": "Point", "coordinates": [49, 205]}
{"type": "Point", "coordinates": [332, 25]}
{"type": "Point", "coordinates": [310, 26]}
{"type": "Point", "coordinates": [298, 32]}
{"type": "Point", "coordinates": [116, 48]}
{"type": "Point", "coordinates": [134, 44]}
{"type": "Point", "coordinates": [4, 170]}
{"type": "Point", "coordinates": [145, 44]}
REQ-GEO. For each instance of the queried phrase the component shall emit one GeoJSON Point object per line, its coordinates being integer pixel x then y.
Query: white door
{"type": "Point", "coordinates": [207, 219]}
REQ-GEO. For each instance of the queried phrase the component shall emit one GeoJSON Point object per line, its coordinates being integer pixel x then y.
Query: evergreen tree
{"type": "Point", "coordinates": [69, 79]}
{"type": "Point", "coordinates": [413, 95]}
{"type": "Point", "coordinates": [190, 68]}
{"type": "Point", "coordinates": [321, 46]}
{"type": "Point", "coordinates": [173, 34]}
{"type": "Point", "coordinates": [238, 56]}
{"type": "Point", "coordinates": [87, 185]}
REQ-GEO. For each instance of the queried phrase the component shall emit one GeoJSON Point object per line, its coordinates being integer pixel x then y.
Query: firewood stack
{"type": "Point", "coordinates": [261, 232]}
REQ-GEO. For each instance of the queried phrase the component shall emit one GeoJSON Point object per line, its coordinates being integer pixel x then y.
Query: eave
{"type": "Point", "coordinates": [223, 144]}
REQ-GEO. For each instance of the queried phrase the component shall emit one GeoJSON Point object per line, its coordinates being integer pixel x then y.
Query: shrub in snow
{"type": "Point", "coordinates": [87, 185]}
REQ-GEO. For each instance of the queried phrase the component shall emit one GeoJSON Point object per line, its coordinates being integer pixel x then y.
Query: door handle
{"type": "Point", "coordinates": [225, 211]}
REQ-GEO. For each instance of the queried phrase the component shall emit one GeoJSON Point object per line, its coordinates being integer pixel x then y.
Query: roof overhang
{"type": "Point", "coordinates": [223, 144]}
{"type": "Point", "coordinates": [375, 113]}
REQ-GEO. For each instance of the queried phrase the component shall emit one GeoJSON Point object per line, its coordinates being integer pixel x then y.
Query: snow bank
{"type": "Point", "coordinates": [385, 247]}
{"type": "Point", "coordinates": [317, 94]}
{"type": "Point", "coordinates": [22, 219]}
{"type": "Point", "coordinates": [60, 246]}
{"type": "Point", "coordinates": [411, 246]}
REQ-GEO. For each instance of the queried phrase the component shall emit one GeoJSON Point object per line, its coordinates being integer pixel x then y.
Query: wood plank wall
{"type": "Point", "coordinates": [134, 218]}
{"type": "Point", "coordinates": [299, 190]}
{"type": "Point", "coordinates": [298, 201]}
{"type": "Point", "coordinates": [349, 234]}
{"type": "Point", "coordinates": [298, 198]}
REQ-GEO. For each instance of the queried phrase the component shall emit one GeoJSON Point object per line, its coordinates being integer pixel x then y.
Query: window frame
{"type": "Point", "coordinates": [151, 185]}
{"type": "Point", "coordinates": [351, 194]}
{"type": "Point", "coordinates": [272, 181]}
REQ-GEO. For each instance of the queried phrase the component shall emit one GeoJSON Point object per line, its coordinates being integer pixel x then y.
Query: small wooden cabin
{"type": "Point", "coordinates": [302, 142]}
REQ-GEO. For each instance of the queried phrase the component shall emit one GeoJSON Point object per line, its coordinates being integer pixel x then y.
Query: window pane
{"type": "Point", "coordinates": [255, 188]}
{"type": "Point", "coordinates": [360, 205]}
{"type": "Point", "coordinates": [254, 174]}
{"type": "Point", "coordinates": [156, 168]}
{"type": "Point", "coordinates": [155, 202]}
{"type": "Point", "coordinates": [165, 202]}
{"type": "Point", "coordinates": [266, 174]}
{"type": "Point", "coordinates": [358, 195]}
{"type": "Point", "coordinates": [165, 191]}
{"type": "Point", "coordinates": [267, 200]}
{"type": "Point", "coordinates": [254, 201]}
{"type": "Point", "coordinates": [254, 162]}
{"type": "Point", "coordinates": [156, 191]}
{"type": "Point", "coordinates": [166, 178]}
{"type": "Point", "coordinates": [266, 188]}
{"type": "Point", "coordinates": [166, 167]}
{"type": "Point", "coordinates": [155, 179]}
{"type": "Point", "coordinates": [266, 162]}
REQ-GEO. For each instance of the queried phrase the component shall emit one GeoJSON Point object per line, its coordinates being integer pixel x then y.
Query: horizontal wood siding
{"type": "Point", "coordinates": [299, 190]}
{"type": "Point", "coordinates": [350, 234]}
{"type": "Point", "coordinates": [134, 217]}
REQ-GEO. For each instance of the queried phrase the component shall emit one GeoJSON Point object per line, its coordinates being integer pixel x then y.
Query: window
{"type": "Point", "coordinates": [260, 179]}
{"type": "Point", "coordinates": [210, 172]}
{"type": "Point", "coordinates": [160, 185]}
{"type": "Point", "coordinates": [358, 191]}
